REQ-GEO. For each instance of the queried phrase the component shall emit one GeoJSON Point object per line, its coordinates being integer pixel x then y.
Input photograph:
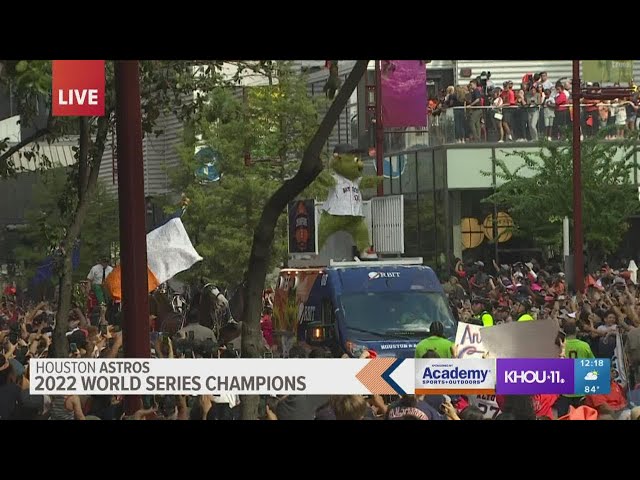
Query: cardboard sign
{"type": "Point", "coordinates": [469, 341]}
{"type": "Point", "coordinates": [535, 339]}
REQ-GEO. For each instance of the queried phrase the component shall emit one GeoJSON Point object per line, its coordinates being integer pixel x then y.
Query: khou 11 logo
{"type": "Point", "coordinates": [78, 88]}
{"type": "Point", "coordinates": [525, 376]}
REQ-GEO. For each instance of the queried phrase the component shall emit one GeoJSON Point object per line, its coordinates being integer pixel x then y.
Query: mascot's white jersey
{"type": "Point", "coordinates": [345, 199]}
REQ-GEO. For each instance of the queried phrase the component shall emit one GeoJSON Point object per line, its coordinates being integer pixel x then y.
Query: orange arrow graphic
{"type": "Point", "coordinates": [371, 376]}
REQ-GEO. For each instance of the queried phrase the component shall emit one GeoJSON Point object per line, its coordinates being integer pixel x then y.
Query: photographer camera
{"type": "Point", "coordinates": [180, 348]}
{"type": "Point", "coordinates": [486, 83]}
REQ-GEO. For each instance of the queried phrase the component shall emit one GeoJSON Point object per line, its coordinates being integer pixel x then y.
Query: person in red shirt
{"type": "Point", "coordinates": [508, 112]}
{"type": "Point", "coordinates": [590, 116]}
{"type": "Point", "coordinates": [266, 325]}
{"type": "Point", "coordinates": [12, 313]}
{"type": "Point", "coordinates": [562, 108]}
{"type": "Point", "coordinates": [614, 403]}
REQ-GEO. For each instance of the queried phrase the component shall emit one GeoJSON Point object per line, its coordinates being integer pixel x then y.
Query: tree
{"type": "Point", "coordinates": [538, 202]}
{"type": "Point", "coordinates": [47, 219]}
{"type": "Point", "coordinates": [167, 87]}
{"type": "Point", "coordinates": [272, 123]}
{"type": "Point", "coordinates": [310, 167]}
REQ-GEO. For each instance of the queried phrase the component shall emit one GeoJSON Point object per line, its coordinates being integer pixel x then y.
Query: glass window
{"type": "Point", "coordinates": [391, 161]}
{"type": "Point", "coordinates": [439, 171]}
{"type": "Point", "coordinates": [402, 314]}
{"type": "Point", "coordinates": [328, 316]}
{"type": "Point", "coordinates": [425, 170]}
{"type": "Point", "coordinates": [426, 215]}
{"type": "Point", "coordinates": [404, 165]}
{"type": "Point", "coordinates": [411, 226]}
{"type": "Point", "coordinates": [441, 225]}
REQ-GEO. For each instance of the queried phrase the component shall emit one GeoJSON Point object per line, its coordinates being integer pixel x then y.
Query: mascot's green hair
{"type": "Point", "coordinates": [342, 211]}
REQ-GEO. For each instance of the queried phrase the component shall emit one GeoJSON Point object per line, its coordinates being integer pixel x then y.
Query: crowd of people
{"type": "Point", "coordinates": [603, 321]}
{"type": "Point", "coordinates": [534, 108]}
{"type": "Point", "coordinates": [591, 324]}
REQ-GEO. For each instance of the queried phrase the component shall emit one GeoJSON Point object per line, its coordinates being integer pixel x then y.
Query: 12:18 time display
{"type": "Point", "coordinates": [591, 362]}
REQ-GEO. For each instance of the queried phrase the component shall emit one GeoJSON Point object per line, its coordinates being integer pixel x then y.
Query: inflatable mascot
{"type": "Point", "coordinates": [342, 211]}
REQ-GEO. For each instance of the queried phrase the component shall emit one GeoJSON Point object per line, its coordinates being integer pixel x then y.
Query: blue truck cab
{"type": "Point", "coordinates": [386, 306]}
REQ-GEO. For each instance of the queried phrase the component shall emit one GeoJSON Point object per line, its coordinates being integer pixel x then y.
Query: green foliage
{"type": "Point", "coordinates": [48, 219]}
{"type": "Point", "coordinates": [539, 201]}
{"type": "Point", "coordinates": [167, 87]}
{"type": "Point", "coordinates": [274, 125]}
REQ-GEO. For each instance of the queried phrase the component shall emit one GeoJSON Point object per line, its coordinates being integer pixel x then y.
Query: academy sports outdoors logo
{"type": "Point", "coordinates": [377, 275]}
{"type": "Point", "coordinates": [78, 88]}
{"type": "Point", "coordinates": [468, 376]}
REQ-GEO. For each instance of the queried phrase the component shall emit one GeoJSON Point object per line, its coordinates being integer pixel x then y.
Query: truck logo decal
{"type": "Point", "coordinates": [376, 275]}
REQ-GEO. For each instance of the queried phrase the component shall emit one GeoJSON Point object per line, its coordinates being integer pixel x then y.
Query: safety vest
{"type": "Point", "coordinates": [487, 319]}
{"type": "Point", "coordinates": [525, 317]}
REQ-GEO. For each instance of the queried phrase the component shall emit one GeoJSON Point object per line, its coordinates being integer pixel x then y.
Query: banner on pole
{"type": "Point", "coordinates": [608, 72]}
{"type": "Point", "coordinates": [404, 93]}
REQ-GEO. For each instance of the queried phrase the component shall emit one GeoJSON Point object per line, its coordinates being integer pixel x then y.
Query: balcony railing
{"type": "Point", "coordinates": [513, 124]}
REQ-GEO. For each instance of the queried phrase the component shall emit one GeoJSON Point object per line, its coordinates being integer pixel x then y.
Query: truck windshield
{"type": "Point", "coordinates": [397, 314]}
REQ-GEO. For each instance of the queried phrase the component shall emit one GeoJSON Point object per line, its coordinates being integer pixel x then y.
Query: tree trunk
{"type": "Point", "coordinates": [310, 168]}
{"type": "Point", "coordinates": [60, 344]}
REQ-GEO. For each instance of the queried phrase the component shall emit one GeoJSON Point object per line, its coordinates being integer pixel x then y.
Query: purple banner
{"type": "Point", "coordinates": [404, 93]}
{"type": "Point", "coordinates": [526, 376]}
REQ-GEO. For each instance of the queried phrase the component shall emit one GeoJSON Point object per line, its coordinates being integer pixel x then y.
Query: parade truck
{"type": "Point", "coordinates": [384, 306]}
{"type": "Point", "coordinates": [330, 299]}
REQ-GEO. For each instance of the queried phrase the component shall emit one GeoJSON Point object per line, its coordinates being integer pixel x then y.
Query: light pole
{"type": "Point", "coordinates": [578, 253]}
{"type": "Point", "coordinates": [379, 128]}
{"type": "Point", "coordinates": [133, 235]}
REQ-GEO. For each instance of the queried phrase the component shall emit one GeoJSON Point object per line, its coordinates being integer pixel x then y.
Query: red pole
{"type": "Point", "coordinates": [133, 241]}
{"type": "Point", "coordinates": [578, 258]}
{"type": "Point", "coordinates": [379, 129]}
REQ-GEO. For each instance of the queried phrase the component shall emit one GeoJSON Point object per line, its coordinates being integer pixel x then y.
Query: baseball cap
{"type": "Point", "coordinates": [345, 148]}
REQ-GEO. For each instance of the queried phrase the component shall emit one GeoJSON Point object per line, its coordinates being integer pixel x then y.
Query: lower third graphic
{"type": "Point", "coordinates": [470, 376]}
{"type": "Point", "coordinates": [525, 376]}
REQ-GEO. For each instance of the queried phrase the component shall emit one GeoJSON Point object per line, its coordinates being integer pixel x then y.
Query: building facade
{"type": "Point", "coordinates": [444, 183]}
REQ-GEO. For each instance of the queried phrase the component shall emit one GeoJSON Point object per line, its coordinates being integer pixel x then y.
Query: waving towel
{"type": "Point", "coordinates": [169, 252]}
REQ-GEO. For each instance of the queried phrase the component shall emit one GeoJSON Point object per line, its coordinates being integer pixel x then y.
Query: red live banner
{"type": "Point", "coordinates": [78, 88]}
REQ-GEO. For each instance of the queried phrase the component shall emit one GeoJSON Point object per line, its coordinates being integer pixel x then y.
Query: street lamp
{"type": "Point", "coordinates": [578, 251]}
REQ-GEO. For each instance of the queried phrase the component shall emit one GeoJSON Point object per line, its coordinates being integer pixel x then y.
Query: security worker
{"type": "Point", "coordinates": [481, 312]}
{"type": "Point", "coordinates": [522, 307]}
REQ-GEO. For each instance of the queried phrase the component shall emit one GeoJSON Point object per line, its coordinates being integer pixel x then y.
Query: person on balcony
{"type": "Point", "coordinates": [535, 99]}
{"type": "Point", "coordinates": [476, 111]}
{"type": "Point", "coordinates": [455, 100]}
